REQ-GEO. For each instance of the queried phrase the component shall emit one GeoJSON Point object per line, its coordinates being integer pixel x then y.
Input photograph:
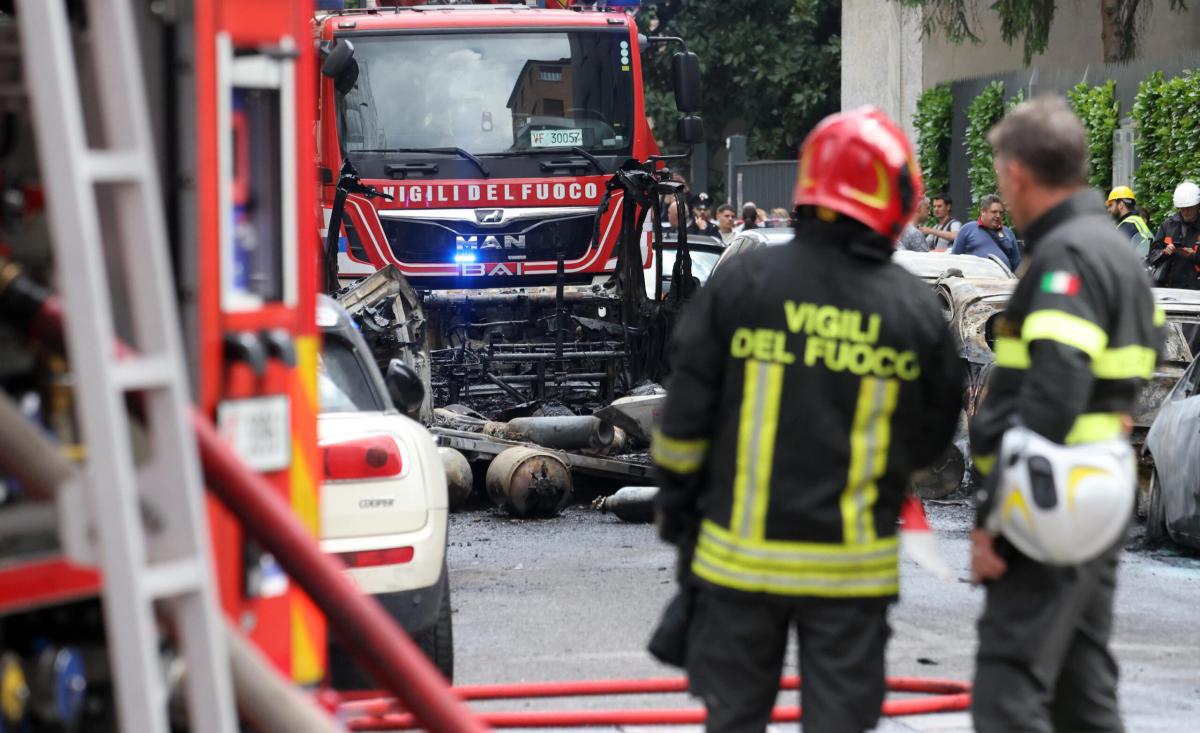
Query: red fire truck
{"type": "Point", "coordinates": [473, 144]}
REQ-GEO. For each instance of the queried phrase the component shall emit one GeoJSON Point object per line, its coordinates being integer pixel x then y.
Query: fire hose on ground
{"type": "Point", "coordinates": [371, 711]}
{"type": "Point", "coordinates": [367, 631]}
{"type": "Point", "coordinates": [363, 626]}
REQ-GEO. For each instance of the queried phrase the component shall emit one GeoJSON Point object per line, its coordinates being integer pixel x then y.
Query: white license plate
{"type": "Point", "coordinates": [555, 138]}
{"type": "Point", "coordinates": [259, 430]}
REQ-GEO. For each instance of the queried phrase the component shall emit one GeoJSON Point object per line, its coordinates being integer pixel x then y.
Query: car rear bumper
{"type": "Point", "coordinates": [421, 573]}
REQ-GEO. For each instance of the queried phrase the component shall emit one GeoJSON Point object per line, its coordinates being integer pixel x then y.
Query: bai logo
{"type": "Point", "coordinates": [490, 269]}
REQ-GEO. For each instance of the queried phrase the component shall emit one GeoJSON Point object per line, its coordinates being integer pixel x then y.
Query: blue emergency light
{"type": "Point", "coordinates": [464, 257]}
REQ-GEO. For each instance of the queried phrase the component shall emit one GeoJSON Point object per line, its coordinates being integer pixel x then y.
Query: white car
{"type": "Point", "coordinates": [384, 506]}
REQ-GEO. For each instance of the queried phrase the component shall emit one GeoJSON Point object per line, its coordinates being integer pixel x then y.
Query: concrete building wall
{"type": "Point", "coordinates": [1075, 41]}
{"type": "Point", "coordinates": [882, 57]}
{"type": "Point", "coordinates": [887, 62]}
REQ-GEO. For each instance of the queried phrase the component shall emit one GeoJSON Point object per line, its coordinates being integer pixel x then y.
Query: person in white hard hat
{"type": "Point", "coordinates": [1175, 253]}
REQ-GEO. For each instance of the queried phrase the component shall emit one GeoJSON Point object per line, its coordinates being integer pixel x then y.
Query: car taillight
{"type": "Point", "coordinates": [362, 457]}
{"type": "Point", "coordinates": [374, 558]}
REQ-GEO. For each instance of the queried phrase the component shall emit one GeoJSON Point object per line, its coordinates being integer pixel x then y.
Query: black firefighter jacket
{"type": "Point", "coordinates": [808, 381]}
{"type": "Point", "coordinates": [1078, 339]}
{"type": "Point", "coordinates": [1179, 267]}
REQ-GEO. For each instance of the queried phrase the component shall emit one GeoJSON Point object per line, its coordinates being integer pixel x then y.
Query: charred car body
{"type": "Point", "coordinates": [1173, 444]}
{"type": "Point", "coordinates": [971, 308]}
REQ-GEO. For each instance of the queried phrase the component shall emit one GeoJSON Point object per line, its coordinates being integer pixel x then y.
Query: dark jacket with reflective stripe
{"type": "Point", "coordinates": [1181, 265]}
{"type": "Point", "coordinates": [808, 381]}
{"type": "Point", "coordinates": [1078, 338]}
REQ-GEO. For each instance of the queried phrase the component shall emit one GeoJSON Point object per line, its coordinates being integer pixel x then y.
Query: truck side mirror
{"type": "Point", "coordinates": [690, 130]}
{"type": "Point", "coordinates": [404, 387]}
{"type": "Point", "coordinates": [685, 73]}
{"type": "Point", "coordinates": [340, 66]}
{"type": "Point", "coordinates": [337, 58]}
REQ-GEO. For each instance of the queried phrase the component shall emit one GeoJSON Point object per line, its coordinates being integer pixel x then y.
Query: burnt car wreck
{"type": "Point", "coordinates": [971, 307]}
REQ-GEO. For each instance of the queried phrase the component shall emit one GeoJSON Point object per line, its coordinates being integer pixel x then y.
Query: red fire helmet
{"type": "Point", "coordinates": [860, 164]}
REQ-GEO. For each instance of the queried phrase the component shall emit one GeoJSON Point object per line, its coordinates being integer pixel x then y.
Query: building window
{"type": "Point", "coordinates": [549, 75]}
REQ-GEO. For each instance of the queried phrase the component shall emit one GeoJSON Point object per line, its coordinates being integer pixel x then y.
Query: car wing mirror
{"type": "Point", "coordinates": [404, 387]}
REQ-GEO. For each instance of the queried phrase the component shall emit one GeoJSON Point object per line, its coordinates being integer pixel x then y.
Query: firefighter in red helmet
{"type": "Point", "coordinates": [808, 381]}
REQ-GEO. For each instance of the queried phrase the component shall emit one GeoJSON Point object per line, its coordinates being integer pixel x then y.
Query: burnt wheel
{"type": "Point", "coordinates": [1156, 514]}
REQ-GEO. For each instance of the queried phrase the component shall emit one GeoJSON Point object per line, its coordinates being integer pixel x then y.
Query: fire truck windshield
{"type": "Point", "coordinates": [490, 93]}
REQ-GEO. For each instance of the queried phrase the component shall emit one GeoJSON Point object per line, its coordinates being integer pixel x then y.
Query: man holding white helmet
{"type": "Point", "coordinates": [1078, 339]}
{"type": "Point", "coordinates": [1176, 249]}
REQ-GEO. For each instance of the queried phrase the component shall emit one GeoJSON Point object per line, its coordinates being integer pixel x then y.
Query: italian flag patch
{"type": "Point", "coordinates": [1060, 283]}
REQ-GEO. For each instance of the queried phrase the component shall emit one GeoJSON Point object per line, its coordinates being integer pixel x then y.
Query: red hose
{"type": "Point", "coordinates": [675, 716]}
{"type": "Point", "coordinates": [368, 632]}
{"type": "Point", "coordinates": [359, 621]}
{"type": "Point", "coordinates": [380, 713]}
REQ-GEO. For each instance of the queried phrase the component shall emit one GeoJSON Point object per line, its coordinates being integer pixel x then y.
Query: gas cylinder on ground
{"type": "Point", "coordinates": [566, 432]}
{"type": "Point", "coordinates": [460, 480]}
{"type": "Point", "coordinates": [529, 482]}
{"type": "Point", "coordinates": [630, 503]}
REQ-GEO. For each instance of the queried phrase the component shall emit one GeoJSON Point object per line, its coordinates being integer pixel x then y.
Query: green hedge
{"type": "Point", "coordinates": [983, 112]}
{"type": "Point", "coordinates": [1099, 111]}
{"type": "Point", "coordinates": [1167, 115]}
{"type": "Point", "coordinates": [932, 122]}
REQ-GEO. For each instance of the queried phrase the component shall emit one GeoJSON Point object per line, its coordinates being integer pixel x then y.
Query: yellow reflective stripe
{"type": "Point", "coordinates": [758, 421]}
{"type": "Point", "coordinates": [870, 437]}
{"type": "Point", "coordinates": [797, 568]}
{"type": "Point", "coordinates": [676, 454]}
{"type": "Point", "coordinates": [873, 582]}
{"type": "Point", "coordinates": [1094, 427]}
{"type": "Point", "coordinates": [985, 463]}
{"type": "Point", "coordinates": [743, 467]}
{"type": "Point", "coordinates": [768, 425]}
{"type": "Point", "coordinates": [787, 552]}
{"type": "Point", "coordinates": [1127, 362]}
{"type": "Point", "coordinates": [1064, 328]}
{"type": "Point", "coordinates": [1160, 316]}
{"type": "Point", "coordinates": [1011, 353]}
{"type": "Point", "coordinates": [882, 567]}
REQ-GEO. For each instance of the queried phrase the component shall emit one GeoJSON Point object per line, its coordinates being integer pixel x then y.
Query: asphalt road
{"type": "Point", "coordinates": [576, 597]}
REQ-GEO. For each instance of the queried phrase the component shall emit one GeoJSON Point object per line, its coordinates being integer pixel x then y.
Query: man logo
{"type": "Point", "coordinates": [489, 216]}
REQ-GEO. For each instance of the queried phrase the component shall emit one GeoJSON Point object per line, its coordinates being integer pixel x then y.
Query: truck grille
{"type": "Point", "coordinates": [442, 240]}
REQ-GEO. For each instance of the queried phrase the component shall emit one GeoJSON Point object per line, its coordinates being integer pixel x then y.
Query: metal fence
{"type": "Point", "coordinates": [768, 183]}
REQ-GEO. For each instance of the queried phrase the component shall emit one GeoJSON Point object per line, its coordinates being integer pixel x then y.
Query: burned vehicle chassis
{"type": "Point", "coordinates": [510, 343]}
{"type": "Point", "coordinates": [576, 344]}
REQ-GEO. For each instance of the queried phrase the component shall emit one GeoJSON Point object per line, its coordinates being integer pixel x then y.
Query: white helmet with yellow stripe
{"type": "Point", "coordinates": [1062, 505]}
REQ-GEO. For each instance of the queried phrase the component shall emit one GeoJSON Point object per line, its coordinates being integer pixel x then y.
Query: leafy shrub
{"type": "Point", "coordinates": [983, 112]}
{"type": "Point", "coordinates": [1167, 115]}
{"type": "Point", "coordinates": [932, 123]}
{"type": "Point", "coordinates": [1099, 111]}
